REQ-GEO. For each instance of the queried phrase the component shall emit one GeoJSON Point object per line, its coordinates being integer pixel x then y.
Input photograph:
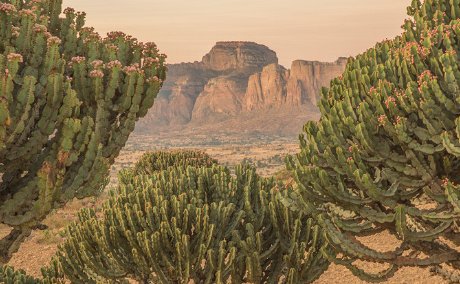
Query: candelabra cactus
{"type": "Point", "coordinates": [199, 224]}
{"type": "Point", "coordinates": [50, 275]}
{"type": "Point", "coordinates": [10, 276]}
{"type": "Point", "coordinates": [68, 102]}
{"type": "Point", "coordinates": [157, 161]}
{"type": "Point", "coordinates": [385, 154]}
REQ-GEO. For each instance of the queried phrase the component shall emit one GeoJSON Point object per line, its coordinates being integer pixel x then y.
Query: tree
{"type": "Point", "coordinates": [68, 102]}
{"type": "Point", "coordinates": [385, 154]}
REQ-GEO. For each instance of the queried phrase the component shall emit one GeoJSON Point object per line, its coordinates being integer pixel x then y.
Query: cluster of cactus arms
{"type": "Point", "coordinates": [10, 276]}
{"type": "Point", "coordinates": [157, 161]}
{"type": "Point", "coordinates": [68, 101]}
{"type": "Point", "coordinates": [50, 275]}
{"type": "Point", "coordinates": [200, 224]}
{"type": "Point", "coordinates": [385, 155]}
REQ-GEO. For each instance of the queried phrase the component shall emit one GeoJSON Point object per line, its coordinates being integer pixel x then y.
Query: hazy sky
{"type": "Point", "coordinates": [296, 29]}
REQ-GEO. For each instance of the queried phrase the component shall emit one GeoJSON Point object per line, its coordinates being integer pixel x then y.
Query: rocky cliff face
{"type": "Point", "coordinates": [237, 55]}
{"type": "Point", "coordinates": [221, 98]}
{"type": "Point", "coordinates": [275, 86]}
{"type": "Point", "coordinates": [239, 80]}
{"type": "Point", "coordinates": [309, 77]}
{"type": "Point", "coordinates": [267, 89]}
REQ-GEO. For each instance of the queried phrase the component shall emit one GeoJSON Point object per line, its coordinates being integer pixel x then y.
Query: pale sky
{"type": "Point", "coordinates": [296, 29]}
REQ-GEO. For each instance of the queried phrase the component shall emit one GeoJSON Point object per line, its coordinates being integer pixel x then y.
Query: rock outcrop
{"type": "Point", "coordinates": [239, 55]}
{"type": "Point", "coordinates": [221, 98]}
{"type": "Point", "coordinates": [275, 86]}
{"type": "Point", "coordinates": [267, 89]}
{"type": "Point", "coordinates": [218, 80]}
{"type": "Point", "coordinates": [176, 100]}
{"type": "Point", "coordinates": [308, 77]}
{"type": "Point", "coordinates": [239, 80]}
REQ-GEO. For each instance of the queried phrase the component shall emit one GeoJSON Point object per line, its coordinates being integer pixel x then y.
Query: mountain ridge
{"type": "Point", "coordinates": [240, 79]}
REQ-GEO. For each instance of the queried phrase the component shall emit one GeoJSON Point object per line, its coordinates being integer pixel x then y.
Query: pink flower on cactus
{"type": "Point", "coordinates": [78, 59]}
{"type": "Point", "coordinates": [40, 28]}
{"type": "Point", "coordinates": [350, 149]}
{"type": "Point", "coordinates": [96, 74]}
{"type": "Point", "coordinates": [33, 2]}
{"type": "Point", "coordinates": [390, 100]}
{"type": "Point", "coordinates": [131, 69]}
{"type": "Point", "coordinates": [425, 74]}
{"type": "Point", "coordinates": [112, 47]}
{"type": "Point", "coordinates": [27, 12]}
{"type": "Point", "coordinates": [115, 35]}
{"type": "Point", "coordinates": [451, 52]}
{"type": "Point", "coordinates": [150, 45]}
{"type": "Point", "coordinates": [153, 79]}
{"type": "Point", "coordinates": [7, 8]}
{"type": "Point", "coordinates": [424, 78]}
{"type": "Point", "coordinates": [97, 64]}
{"type": "Point", "coordinates": [54, 40]}
{"type": "Point", "coordinates": [398, 119]}
{"type": "Point", "coordinates": [372, 91]}
{"type": "Point", "coordinates": [400, 93]}
{"type": "Point", "coordinates": [87, 30]}
{"type": "Point", "coordinates": [14, 57]}
{"type": "Point", "coordinates": [114, 64]}
{"type": "Point", "coordinates": [69, 10]}
{"type": "Point", "coordinates": [15, 31]}
{"type": "Point", "coordinates": [149, 61]}
{"type": "Point", "coordinates": [413, 48]}
{"type": "Point", "coordinates": [350, 160]}
{"type": "Point", "coordinates": [445, 182]}
{"type": "Point", "coordinates": [382, 119]}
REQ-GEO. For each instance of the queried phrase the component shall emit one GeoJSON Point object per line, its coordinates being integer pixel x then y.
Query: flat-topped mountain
{"type": "Point", "coordinates": [236, 81]}
{"type": "Point", "coordinates": [238, 55]}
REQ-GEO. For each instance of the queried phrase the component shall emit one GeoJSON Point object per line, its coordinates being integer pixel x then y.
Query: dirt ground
{"type": "Point", "coordinates": [40, 246]}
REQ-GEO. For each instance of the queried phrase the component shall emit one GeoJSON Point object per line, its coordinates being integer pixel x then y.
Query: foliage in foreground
{"type": "Point", "coordinates": [50, 275]}
{"type": "Point", "coordinates": [385, 155]}
{"type": "Point", "coordinates": [200, 224]}
{"type": "Point", "coordinates": [68, 102]}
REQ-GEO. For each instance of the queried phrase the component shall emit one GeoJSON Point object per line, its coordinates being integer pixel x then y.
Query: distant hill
{"type": "Point", "coordinates": [240, 87]}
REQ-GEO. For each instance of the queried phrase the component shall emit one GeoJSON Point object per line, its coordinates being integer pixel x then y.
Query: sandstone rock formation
{"type": "Point", "coordinates": [237, 55]}
{"type": "Point", "coordinates": [275, 86]}
{"type": "Point", "coordinates": [226, 67]}
{"type": "Point", "coordinates": [221, 98]}
{"type": "Point", "coordinates": [240, 81]}
{"type": "Point", "coordinates": [267, 89]}
{"type": "Point", "coordinates": [310, 76]}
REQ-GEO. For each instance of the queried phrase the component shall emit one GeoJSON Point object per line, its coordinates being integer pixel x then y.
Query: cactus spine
{"type": "Point", "coordinates": [68, 102]}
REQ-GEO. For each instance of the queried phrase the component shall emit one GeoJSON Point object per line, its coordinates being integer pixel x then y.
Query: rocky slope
{"type": "Point", "coordinates": [238, 83]}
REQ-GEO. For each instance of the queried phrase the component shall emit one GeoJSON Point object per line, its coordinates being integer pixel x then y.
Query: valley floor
{"type": "Point", "coordinates": [266, 154]}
